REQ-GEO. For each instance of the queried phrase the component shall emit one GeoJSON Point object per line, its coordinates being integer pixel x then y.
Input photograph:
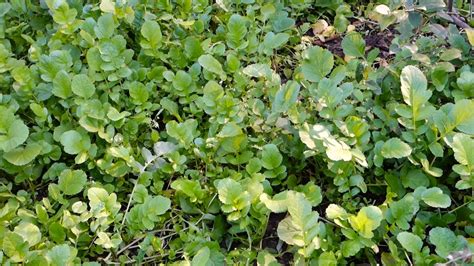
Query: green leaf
{"type": "Point", "coordinates": [29, 232]}
{"type": "Point", "coordinates": [114, 115]}
{"type": "Point", "coordinates": [301, 227]}
{"type": "Point", "coordinates": [353, 45]}
{"type": "Point", "coordinates": [192, 48]}
{"type": "Point", "coordinates": [160, 205]}
{"type": "Point", "coordinates": [183, 132]}
{"type": "Point", "coordinates": [414, 89]}
{"type": "Point", "coordinates": [440, 78]}
{"type": "Point", "coordinates": [229, 190]}
{"type": "Point", "coordinates": [436, 149]}
{"type": "Point", "coordinates": [445, 241]}
{"type": "Point", "coordinates": [75, 142]}
{"type": "Point", "coordinates": [334, 211]}
{"type": "Point", "coordinates": [202, 257]}
{"type": "Point", "coordinates": [211, 64]}
{"type": "Point", "coordinates": [56, 232]}
{"type": "Point", "coordinates": [182, 81]}
{"type": "Point", "coordinates": [72, 182]}
{"type": "Point", "coordinates": [62, 85]}
{"type": "Point", "coordinates": [139, 93]}
{"type": "Point", "coordinates": [236, 31]}
{"type": "Point", "coordinates": [271, 156]}
{"type": "Point", "coordinates": [434, 197]}
{"type": "Point", "coordinates": [230, 130]}
{"type": "Point", "coordinates": [258, 70]}
{"type": "Point", "coordinates": [286, 97]}
{"type": "Point", "coordinates": [64, 15]}
{"type": "Point", "coordinates": [82, 86]}
{"type": "Point", "coordinates": [411, 242]}
{"type": "Point", "coordinates": [277, 204]}
{"type": "Point", "coordinates": [350, 248]}
{"type": "Point", "coordinates": [190, 188]}
{"type": "Point", "coordinates": [404, 210]}
{"type": "Point", "coordinates": [61, 255]}
{"type": "Point", "coordinates": [13, 132]}
{"type": "Point", "coordinates": [14, 246]}
{"type": "Point", "coordinates": [327, 258]}
{"type": "Point", "coordinates": [450, 54]}
{"type": "Point", "coordinates": [236, 201]}
{"type": "Point", "coordinates": [461, 118]}
{"type": "Point", "coordinates": [466, 82]}
{"type": "Point", "coordinates": [151, 32]}
{"type": "Point", "coordinates": [105, 26]}
{"type": "Point", "coordinates": [264, 258]}
{"type": "Point", "coordinates": [384, 16]}
{"type": "Point", "coordinates": [463, 145]}
{"type": "Point", "coordinates": [22, 156]}
{"type": "Point", "coordinates": [273, 41]}
{"type": "Point", "coordinates": [317, 63]}
{"type": "Point", "coordinates": [395, 148]}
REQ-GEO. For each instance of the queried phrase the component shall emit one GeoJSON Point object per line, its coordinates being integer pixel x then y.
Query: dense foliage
{"type": "Point", "coordinates": [194, 132]}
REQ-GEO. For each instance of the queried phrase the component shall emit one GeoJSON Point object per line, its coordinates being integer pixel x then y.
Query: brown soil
{"type": "Point", "coordinates": [270, 239]}
{"type": "Point", "coordinates": [373, 39]}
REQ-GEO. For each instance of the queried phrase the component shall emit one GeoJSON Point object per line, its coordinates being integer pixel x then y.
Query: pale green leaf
{"type": "Point", "coordinates": [461, 117]}
{"type": "Point", "coordinates": [411, 242]}
{"type": "Point", "coordinates": [29, 232]}
{"type": "Point", "coordinates": [286, 96]}
{"type": "Point", "coordinates": [211, 64]}
{"type": "Point", "coordinates": [277, 204]}
{"type": "Point", "coordinates": [23, 155]}
{"type": "Point", "coordinates": [105, 26]}
{"type": "Point", "coordinates": [151, 32]}
{"type": "Point", "coordinates": [353, 45]}
{"type": "Point", "coordinates": [445, 241]}
{"type": "Point", "coordinates": [414, 89]}
{"type": "Point", "coordinates": [72, 182]}
{"type": "Point", "coordinates": [258, 70]}
{"type": "Point", "coordinates": [395, 148]}
{"type": "Point", "coordinates": [82, 86]}
{"type": "Point", "coordinates": [12, 134]}
{"type": "Point", "coordinates": [229, 190]}
{"type": "Point", "coordinates": [434, 197]}
{"type": "Point", "coordinates": [61, 255]}
{"type": "Point", "coordinates": [317, 63]}
{"type": "Point", "coordinates": [75, 142]}
{"type": "Point", "coordinates": [463, 147]}
{"type": "Point", "coordinates": [62, 85]}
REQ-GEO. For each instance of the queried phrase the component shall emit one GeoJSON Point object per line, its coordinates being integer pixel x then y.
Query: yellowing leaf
{"type": "Point", "coordinates": [470, 36]}
{"type": "Point", "coordinates": [367, 220]}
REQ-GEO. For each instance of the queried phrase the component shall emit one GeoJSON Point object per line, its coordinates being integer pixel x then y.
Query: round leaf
{"type": "Point", "coordinates": [395, 148]}
{"type": "Point", "coordinates": [410, 242]}
{"type": "Point", "coordinates": [29, 232]}
{"type": "Point", "coordinates": [82, 86]}
{"type": "Point", "coordinates": [22, 156]}
{"type": "Point", "coordinates": [271, 157]}
{"type": "Point", "coordinates": [72, 182]}
{"type": "Point", "coordinates": [434, 197]}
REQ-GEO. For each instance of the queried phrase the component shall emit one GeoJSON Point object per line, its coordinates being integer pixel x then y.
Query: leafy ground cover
{"type": "Point", "coordinates": [243, 132]}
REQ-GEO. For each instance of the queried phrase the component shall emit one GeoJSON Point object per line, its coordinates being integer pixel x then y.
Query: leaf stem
{"type": "Point", "coordinates": [460, 206]}
{"type": "Point", "coordinates": [142, 170]}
